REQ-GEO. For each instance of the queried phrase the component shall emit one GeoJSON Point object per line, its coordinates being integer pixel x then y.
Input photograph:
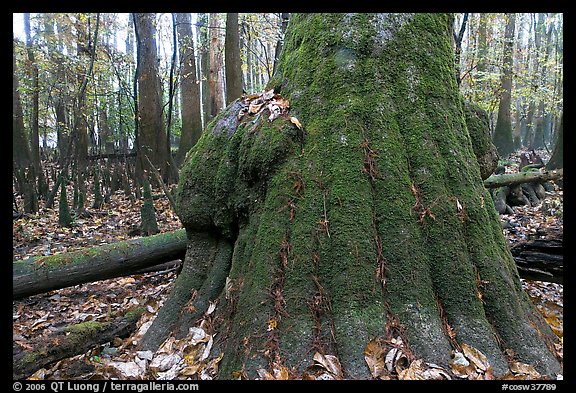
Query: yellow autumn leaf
{"type": "Point", "coordinates": [282, 103]}
{"type": "Point", "coordinates": [296, 122]}
{"type": "Point", "coordinates": [374, 356]}
{"type": "Point", "coordinates": [272, 324]}
{"type": "Point", "coordinates": [413, 372]}
{"type": "Point", "coordinates": [555, 325]}
{"type": "Point", "coordinates": [254, 108]}
{"type": "Point", "coordinates": [238, 375]}
{"type": "Point", "coordinates": [280, 372]}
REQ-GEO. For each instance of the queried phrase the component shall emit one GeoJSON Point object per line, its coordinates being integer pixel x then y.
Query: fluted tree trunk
{"type": "Point", "coordinates": [372, 222]}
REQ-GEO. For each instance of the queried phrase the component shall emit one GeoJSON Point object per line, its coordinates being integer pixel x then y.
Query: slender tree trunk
{"type": "Point", "coordinates": [35, 139]}
{"type": "Point", "coordinates": [557, 159]}
{"type": "Point", "coordinates": [204, 43]}
{"type": "Point", "coordinates": [482, 53]}
{"type": "Point", "coordinates": [531, 123]}
{"type": "Point", "coordinates": [541, 125]}
{"type": "Point", "coordinates": [458, 36]}
{"type": "Point", "coordinates": [503, 131]}
{"type": "Point", "coordinates": [285, 17]}
{"type": "Point", "coordinates": [84, 52]}
{"type": "Point", "coordinates": [233, 64]}
{"type": "Point", "coordinates": [151, 139]}
{"type": "Point", "coordinates": [290, 234]}
{"type": "Point", "coordinates": [21, 156]}
{"type": "Point", "coordinates": [215, 82]}
{"type": "Point", "coordinates": [189, 88]}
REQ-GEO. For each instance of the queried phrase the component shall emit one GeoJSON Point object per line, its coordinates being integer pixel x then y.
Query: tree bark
{"type": "Point", "coordinates": [216, 100]}
{"type": "Point", "coordinates": [21, 149]}
{"type": "Point", "coordinates": [478, 126]}
{"type": "Point", "coordinates": [42, 274]}
{"type": "Point", "coordinates": [557, 159]}
{"type": "Point", "coordinates": [368, 221]}
{"type": "Point", "coordinates": [540, 131]}
{"type": "Point", "coordinates": [509, 179]}
{"type": "Point", "coordinates": [233, 64]}
{"type": "Point", "coordinates": [503, 131]}
{"type": "Point", "coordinates": [458, 45]}
{"type": "Point", "coordinates": [285, 17]}
{"type": "Point", "coordinates": [151, 139]}
{"type": "Point", "coordinates": [204, 67]}
{"type": "Point", "coordinates": [70, 341]}
{"type": "Point", "coordinates": [189, 88]}
{"type": "Point", "coordinates": [35, 139]}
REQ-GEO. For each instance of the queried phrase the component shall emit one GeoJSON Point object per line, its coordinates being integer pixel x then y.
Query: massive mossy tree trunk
{"type": "Point", "coordinates": [370, 223]}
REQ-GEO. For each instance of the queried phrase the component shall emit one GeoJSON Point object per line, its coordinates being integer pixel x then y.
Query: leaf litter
{"type": "Point", "coordinates": [192, 357]}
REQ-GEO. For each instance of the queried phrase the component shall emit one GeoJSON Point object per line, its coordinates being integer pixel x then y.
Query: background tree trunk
{"type": "Point", "coordinates": [305, 252]}
{"type": "Point", "coordinates": [189, 88]}
{"type": "Point", "coordinates": [34, 136]}
{"type": "Point", "coordinates": [203, 45]}
{"type": "Point", "coordinates": [233, 64]}
{"type": "Point", "coordinates": [151, 139]}
{"type": "Point", "coordinates": [285, 17]}
{"type": "Point", "coordinates": [503, 132]}
{"type": "Point", "coordinates": [21, 156]}
{"type": "Point", "coordinates": [542, 123]}
{"type": "Point", "coordinates": [557, 159]}
{"type": "Point", "coordinates": [216, 100]}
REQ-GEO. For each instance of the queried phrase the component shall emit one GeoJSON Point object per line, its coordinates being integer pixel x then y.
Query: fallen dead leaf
{"type": "Point", "coordinates": [330, 363]}
{"type": "Point", "coordinates": [374, 356]}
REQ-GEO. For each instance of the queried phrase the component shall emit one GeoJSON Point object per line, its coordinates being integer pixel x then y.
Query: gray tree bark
{"type": "Point", "coordinates": [233, 64]}
{"type": "Point", "coordinates": [189, 87]}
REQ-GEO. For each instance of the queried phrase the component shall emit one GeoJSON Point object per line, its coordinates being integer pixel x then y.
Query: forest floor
{"type": "Point", "coordinates": [39, 315]}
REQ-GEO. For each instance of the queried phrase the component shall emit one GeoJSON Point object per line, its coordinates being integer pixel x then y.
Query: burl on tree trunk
{"type": "Point", "coordinates": [369, 224]}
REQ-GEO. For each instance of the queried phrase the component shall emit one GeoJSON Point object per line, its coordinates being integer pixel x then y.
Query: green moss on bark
{"type": "Point", "coordinates": [64, 217]}
{"type": "Point", "coordinates": [478, 126]}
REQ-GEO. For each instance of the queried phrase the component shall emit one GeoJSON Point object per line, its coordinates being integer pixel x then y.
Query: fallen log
{"type": "Point", "coordinates": [42, 274]}
{"type": "Point", "coordinates": [522, 177]}
{"type": "Point", "coordinates": [70, 341]}
{"type": "Point", "coordinates": [541, 259]}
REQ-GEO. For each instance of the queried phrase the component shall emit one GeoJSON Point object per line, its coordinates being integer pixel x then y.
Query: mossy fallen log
{"type": "Point", "coordinates": [541, 259]}
{"type": "Point", "coordinates": [42, 274]}
{"type": "Point", "coordinates": [70, 341]}
{"type": "Point", "coordinates": [509, 179]}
